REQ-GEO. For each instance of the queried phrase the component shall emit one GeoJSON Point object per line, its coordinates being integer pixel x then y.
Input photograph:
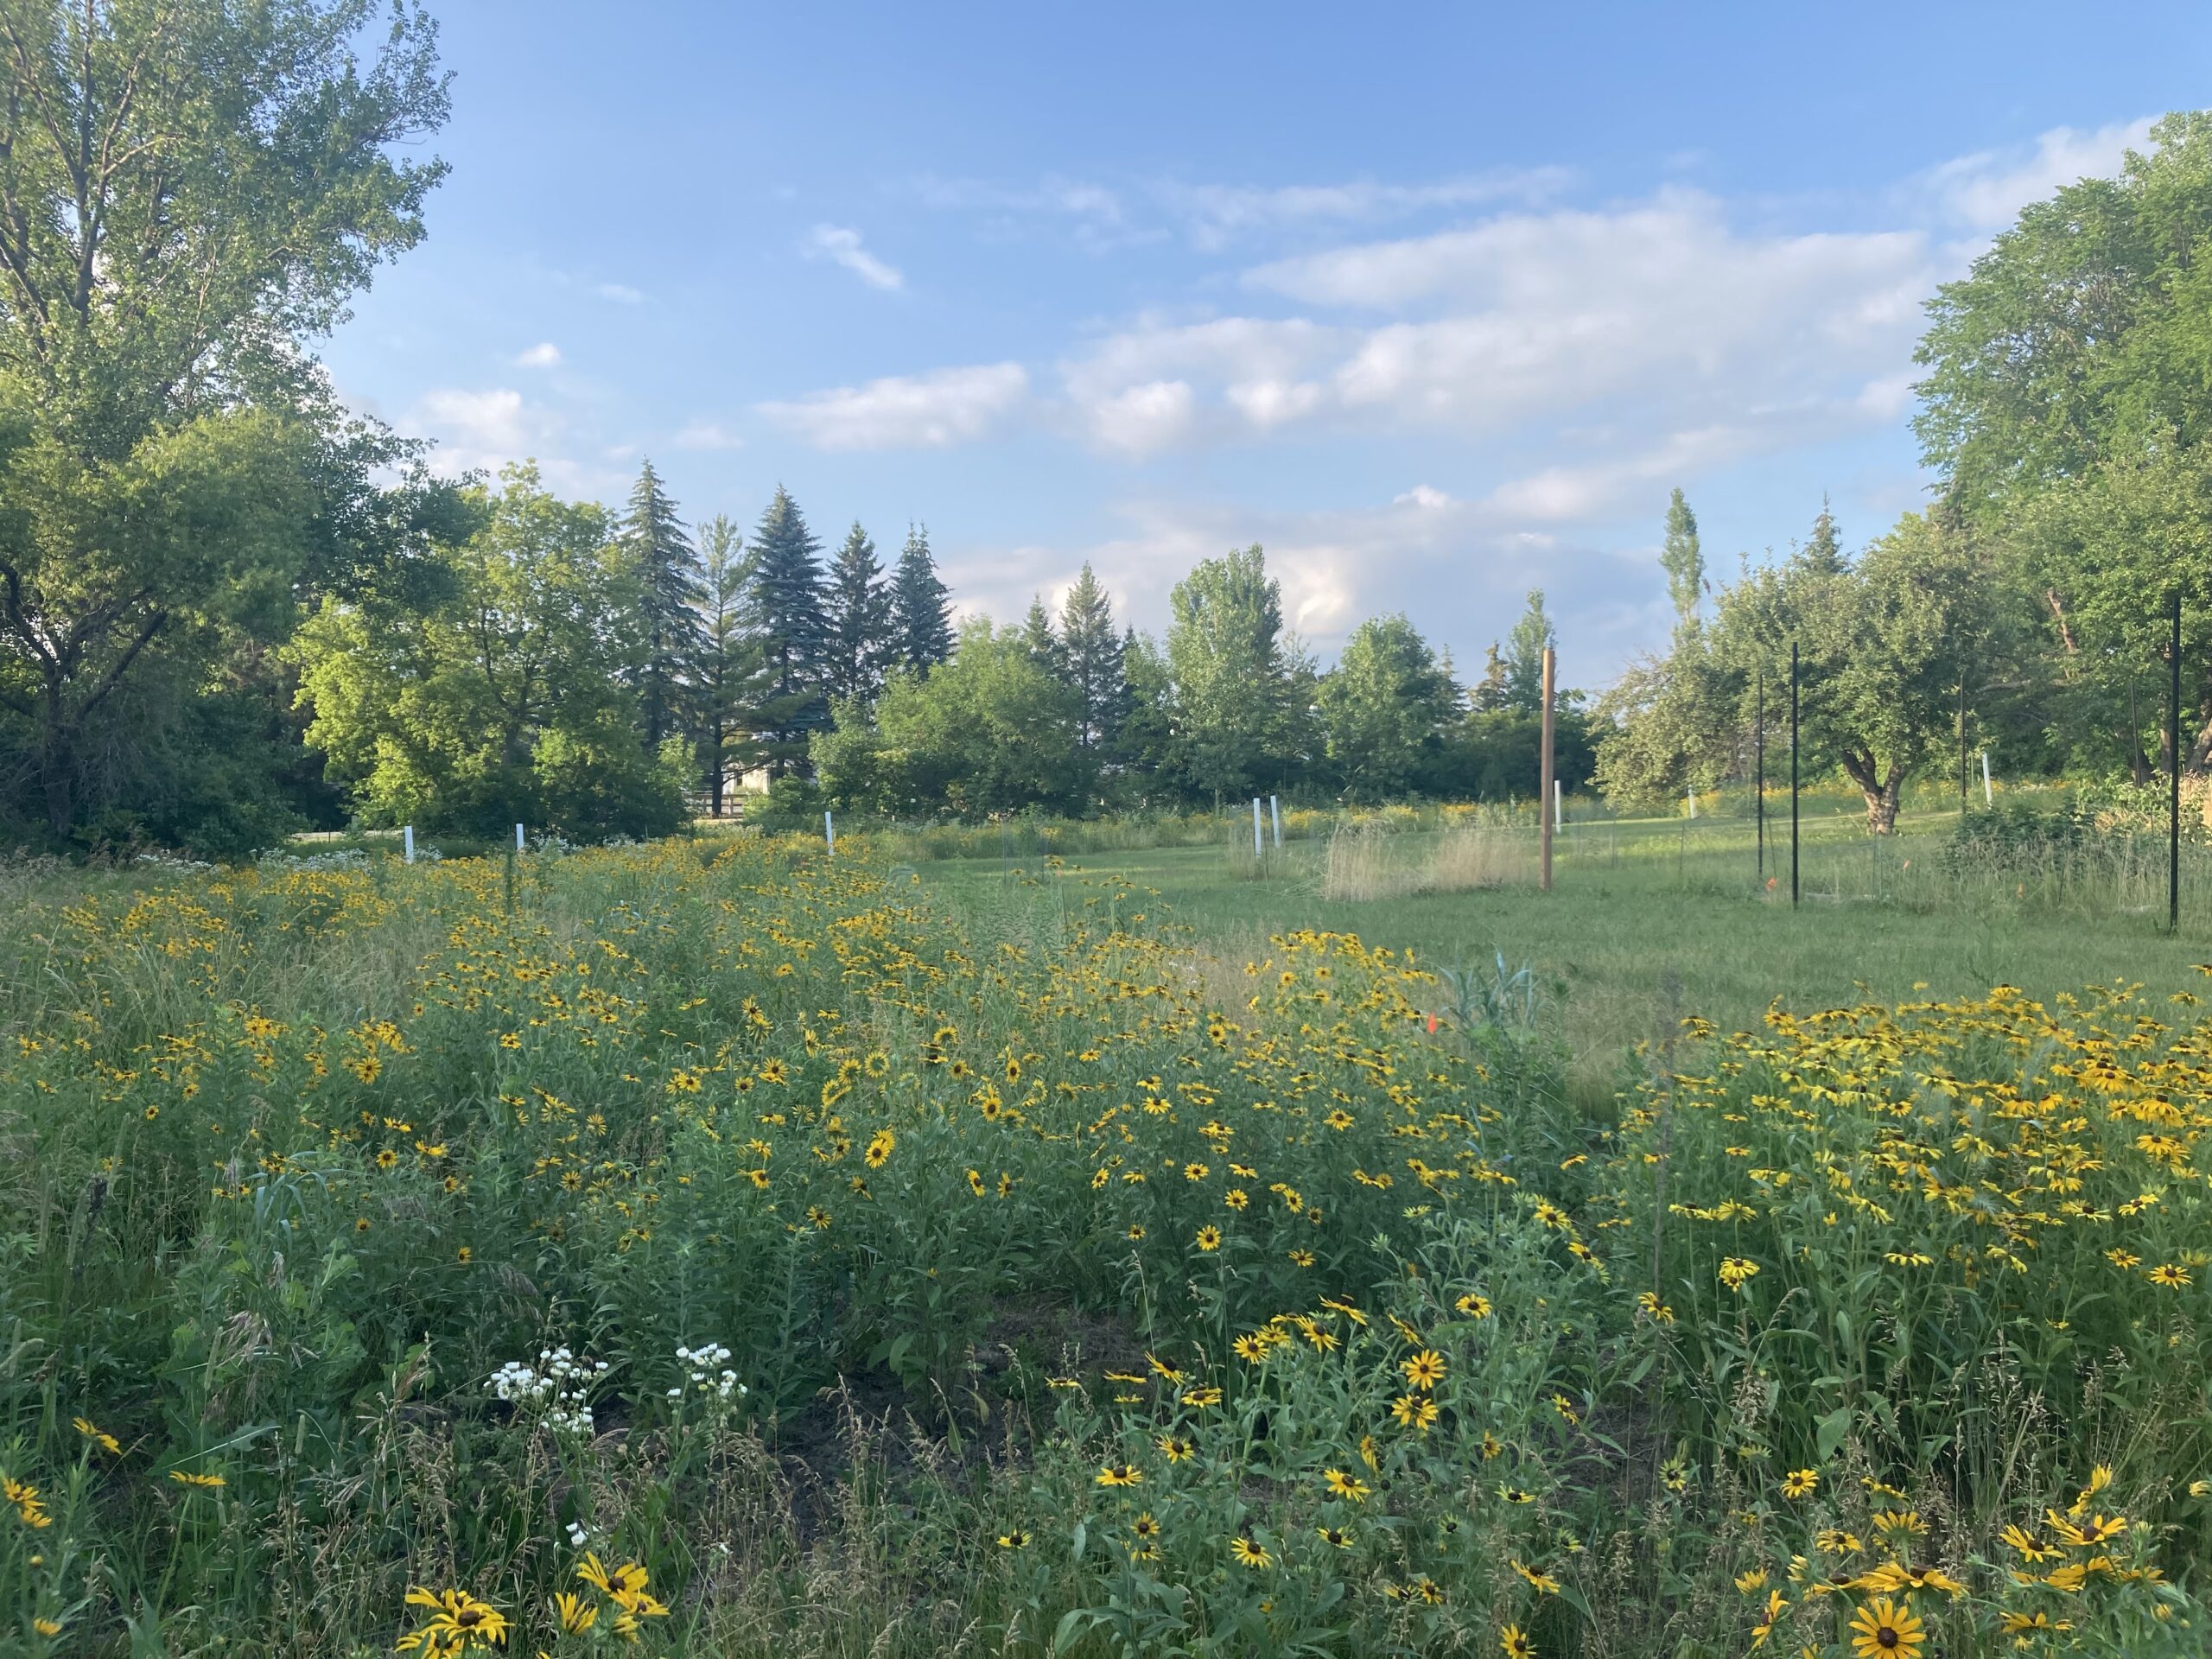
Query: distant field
{"type": "Point", "coordinates": [1650, 917]}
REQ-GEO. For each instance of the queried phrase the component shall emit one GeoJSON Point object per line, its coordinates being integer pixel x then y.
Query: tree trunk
{"type": "Point", "coordinates": [1882, 804]}
{"type": "Point", "coordinates": [1881, 796]}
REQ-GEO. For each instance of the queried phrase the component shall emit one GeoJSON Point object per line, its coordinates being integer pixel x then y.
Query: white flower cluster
{"type": "Point", "coordinates": [705, 1379]}
{"type": "Point", "coordinates": [559, 1385]}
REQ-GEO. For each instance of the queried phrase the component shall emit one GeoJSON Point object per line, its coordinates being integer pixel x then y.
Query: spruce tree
{"type": "Point", "coordinates": [787, 598]}
{"type": "Point", "coordinates": [1490, 693]}
{"type": "Point", "coordinates": [730, 680]}
{"type": "Point", "coordinates": [1036, 635]}
{"type": "Point", "coordinates": [1090, 658]}
{"type": "Point", "coordinates": [666, 567]}
{"type": "Point", "coordinates": [921, 621]}
{"type": "Point", "coordinates": [857, 644]}
{"type": "Point", "coordinates": [1684, 563]}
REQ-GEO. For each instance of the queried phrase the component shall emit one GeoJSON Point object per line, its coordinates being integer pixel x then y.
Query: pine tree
{"type": "Point", "coordinates": [666, 567]}
{"type": "Point", "coordinates": [1824, 552]}
{"type": "Point", "coordinates": [1490, 693]}
{"type": "Point", "coordinates": [1684, 563]}
{"type": "Point", "coordinates": [1036, 635]}
{"type": "Point", "coordinates": [787, 598]}
{"type": "Point", "coordinates": [731, 678]}
{"type": "Point", "coordinates": [857, 643]}
{"type": "Point", "coordinates": [1090, 658]}
{"type": "Point", "coordinates": [921, 621]}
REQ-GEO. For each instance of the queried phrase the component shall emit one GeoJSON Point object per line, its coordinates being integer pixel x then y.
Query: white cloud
{"type": "Point", "coordinates": [1134, 391]}
{"type": "Point", "coordinates": [707, 435]}
{"type": "Point", "coordinates": [1142, 419]}
{"type": "Point", "coordinates": [1988, 189]}
{"type": "Point", "coordinates": [841, 245]}
{"type": "Point", "coordinates": [1215, 212]}
{"type": "Point", "coordinates": [620, 293]}
{"type": "Point", "coordinates": [1659, 315]}
{"type": "Point", "coordinates": [483, 430]}
{"type": "Point", "coordinates": [931, 410]}
{"type": "Point", "coordinates": [1423, 495]}
{"type": "Point", "coordinates": [544, 355]}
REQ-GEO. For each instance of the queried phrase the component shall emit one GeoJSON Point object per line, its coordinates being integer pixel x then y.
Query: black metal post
{"type": "Point", "coordinates": [2173, 780]}
{"type": "Point", "coordinates": [1793, 774]}
{"type": "Point", "coordinates": [1759, 746]}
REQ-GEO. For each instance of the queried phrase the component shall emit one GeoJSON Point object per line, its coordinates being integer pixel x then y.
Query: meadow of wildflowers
{"type": "Point", "coordinates": [718, 1248]}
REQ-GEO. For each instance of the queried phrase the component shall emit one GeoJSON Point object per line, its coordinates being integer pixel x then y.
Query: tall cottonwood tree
{"type": "Point", "coordinates": [189, 193]}
{"type": "Point", "coordinates": [1225, 652]}
{"type": "Point", "coordinates": [1683, 560]}
{"type": "Point", "coordinates": [1383, 708]}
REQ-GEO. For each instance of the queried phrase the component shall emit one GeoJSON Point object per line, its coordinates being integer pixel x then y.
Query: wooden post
{"type": "Point", "coordinates": [2173, 783]}
{"type": "Point", "coordinates": [829, 833]}
{"type": "Point", "coordinates": [1545, 791]}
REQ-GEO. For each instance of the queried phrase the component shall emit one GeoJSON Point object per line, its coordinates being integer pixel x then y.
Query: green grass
{"type": "Point", "coordinates": [1648, 920]}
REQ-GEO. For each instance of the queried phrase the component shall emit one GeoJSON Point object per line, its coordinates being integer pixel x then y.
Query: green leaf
{"type": "Point", "coordinates": [1830, 1433]}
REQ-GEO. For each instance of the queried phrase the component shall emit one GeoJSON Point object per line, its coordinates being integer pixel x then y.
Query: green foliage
{"type": "Point", "coordinates": [665, 567]}
{"type": "Point", "coordinates": [921, 620]}
{"type": "Point", "coordinates": [1225, 652]}
{"type": "Point", "coordinates": [506, 704]}
{"type": "Point", "coordinates": [788, 597]}
{"type": "Point", "coordinates": [171, 464]}
{"type": "Point", "coordinates": [730, 672]}
{"type": "Point", "coordinates": [856, 639]}
{"type": "Point", "coordinates": [988, 732]}
{"type": "Point", "coordinates": [1683, 562]}
{"type": "Point", "coordinates": [1382, 710]}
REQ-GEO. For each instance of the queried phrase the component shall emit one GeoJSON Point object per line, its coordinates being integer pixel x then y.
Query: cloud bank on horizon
{"type": "Point", "coordinates": [1544, 361]}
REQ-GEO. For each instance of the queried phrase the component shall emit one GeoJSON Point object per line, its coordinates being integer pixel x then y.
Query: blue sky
{"type": "Point", "coordinates": [1436, 303]}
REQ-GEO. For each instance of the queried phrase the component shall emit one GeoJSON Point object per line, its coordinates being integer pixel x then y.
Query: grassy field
{"type": "Point", "coordinates": [714, 1247]}
{"type": "Point", "coordinates": [1652, 921]}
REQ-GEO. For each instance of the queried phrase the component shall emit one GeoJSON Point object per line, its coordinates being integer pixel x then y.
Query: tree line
{"type": "Point", "coordinates": [2064, 414]}
{"type": "Point", "coordinates": [600, 673]}
{"type": "Point", "coordinates": [231, 607]}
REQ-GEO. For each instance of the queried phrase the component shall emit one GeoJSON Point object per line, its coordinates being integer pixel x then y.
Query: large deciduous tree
{"type": "Point", "coordinates": [507, 703]}
{"type": "Point", "coordinates": [2066, 408]}
{"type": "Point", "coordinates": [990, 731]}
{"type": "Point", "coordinates": [189, 193]}
{"type": "Point", "coordinates": [1225, 651]}
{"type": "Point", "coordinates": [1383, 710]}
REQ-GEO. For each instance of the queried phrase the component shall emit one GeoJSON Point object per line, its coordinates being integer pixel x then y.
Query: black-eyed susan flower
{"type": "Point", "coordinates": [1881, 1628]}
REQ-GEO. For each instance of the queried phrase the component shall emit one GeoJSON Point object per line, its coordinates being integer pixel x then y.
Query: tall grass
{"type": "Point", "coordinates": [1367, 861]}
